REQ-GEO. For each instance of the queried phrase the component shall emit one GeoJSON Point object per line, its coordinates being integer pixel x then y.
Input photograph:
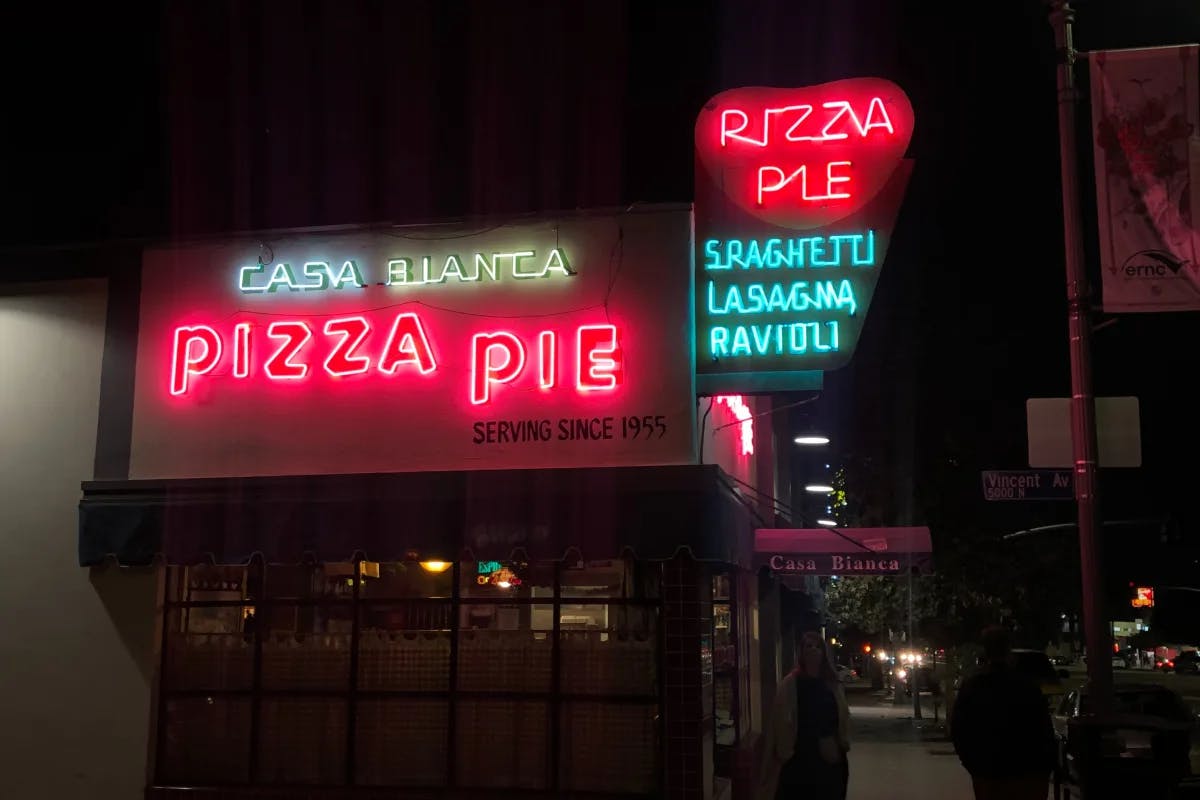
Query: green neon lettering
{"type": "Point", "coordinates": [245, 278]}
{"type": "Point", "coordinates": [557, 262]}
{"type": "Point", "coordinates": [316, 275]}
{"type": "Point", "coordinates": [349, 273]}
{"type": "Point", "coordinates": [399, 270]}
{"type": "Point", "coordinates": [282, 275]}
{"type": "Point", "coordinates": [517, 258]}
{"type": "Point", "coordinates": [483, 266]}
{"type": "Point", "coordinates": [452, 269]}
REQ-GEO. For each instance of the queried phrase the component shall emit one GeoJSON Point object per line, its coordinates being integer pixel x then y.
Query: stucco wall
{"type": "Point", "coordinates": [75, 646]}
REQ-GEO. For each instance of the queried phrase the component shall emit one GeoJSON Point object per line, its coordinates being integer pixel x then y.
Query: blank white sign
{"type": "Point", "coordinates": [1118, 432]}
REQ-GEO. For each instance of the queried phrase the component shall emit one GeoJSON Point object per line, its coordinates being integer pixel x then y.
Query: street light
{"type": "Point", "coordinates": [812, 440]}
{"type": "Point", "coordinates": [818, 488]}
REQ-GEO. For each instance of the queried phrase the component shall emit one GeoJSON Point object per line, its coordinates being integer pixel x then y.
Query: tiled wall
{"type": "Point", "coordinates": [687, 702]}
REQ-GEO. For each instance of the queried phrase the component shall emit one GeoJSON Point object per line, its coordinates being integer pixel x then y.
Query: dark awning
{"type": "Point", "coordinates": [653, 512]}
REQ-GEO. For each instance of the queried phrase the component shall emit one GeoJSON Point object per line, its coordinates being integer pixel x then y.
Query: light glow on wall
{"type": "Point", "coordinates": [737, 406]}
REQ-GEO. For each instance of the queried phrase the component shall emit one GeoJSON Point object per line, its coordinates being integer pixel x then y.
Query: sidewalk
{"type": "Point", "coordinates": [890, 759]}
{"type": "Point", "coordinates": [894, 757]}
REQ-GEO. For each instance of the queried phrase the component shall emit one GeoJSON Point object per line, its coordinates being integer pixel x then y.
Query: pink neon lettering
{"type": "Point", "coordinates": [185, 362]}
{"type": "Point", "coordinates": [342, 360]}
{"type": "Point", "coordinates": [841, 108]}
{"type": "Point", "coordinates": [547, 359]}
{"type": "Point", "coordinates": [727, 133]}
{"type": "Point", "coordinates": [831, 179]}
{"type": "Point", "coordinates": [484, 373]}
{"type": "Point", "coordinates": [885, 123]}
{"type": "Point", "coordinates": [293, 336]}
{"type": "Point", "coordinates": [407, 344]}
{"type": "Point", "coordinates": [599, 358]}
{"type": "Point", "coordinates": [845, 109]}
{"type": "Point", "coordinates": [241, 350]}
{"type": "Point", "coordinates": [783, 179]}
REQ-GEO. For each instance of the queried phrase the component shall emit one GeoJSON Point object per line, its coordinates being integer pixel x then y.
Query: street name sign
{"type": "Point", "coordinates": [1028, 484]}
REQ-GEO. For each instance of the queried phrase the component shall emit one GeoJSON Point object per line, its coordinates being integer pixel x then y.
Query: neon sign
{"type": "Point", "coordinates": [315, 276]}
{"type": "Point", "coordinates": [344, 349]}
{"type": "Point", "coordinates": [796, 194]}
{"type": "Point", "coordinates": [737, 406]}
{"type": "Point", "coordinates": [804, 158]}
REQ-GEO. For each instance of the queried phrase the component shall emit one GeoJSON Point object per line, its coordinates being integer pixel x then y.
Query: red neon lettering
{"type": "Point", "coordinates": [185, 363]}
{"type": "Point", "coordinates": [294, 335]}
{"type": "Point", "coordinates": [407, 344]}
{"type": "Point", "coordinates": [599, 358]}
{"type": "Point", "coordinates": [547, 359]}
{"type": "Point", "coordinates": [783, 179]}
{"type": "Point", "coordinates": [342, 360]}
{"type": "Point", "coordinates": [241, 350]}
{"type": "Point", "coordinates": [484, 373]}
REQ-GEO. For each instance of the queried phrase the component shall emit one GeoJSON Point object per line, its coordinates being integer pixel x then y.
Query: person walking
{"type": "Point", "coordinates": [807, 738]}
{"type": "Point", "coordinates": [1001, 728]}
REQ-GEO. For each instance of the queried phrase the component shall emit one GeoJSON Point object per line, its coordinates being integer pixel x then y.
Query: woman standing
{"type": "Point", "coordinates": [808, 736]}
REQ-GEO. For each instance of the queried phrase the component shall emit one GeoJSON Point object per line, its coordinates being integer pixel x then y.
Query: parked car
{"type": "Point", "coordinates": [845, 674]}
{"type": "Point", "coordinates": [1139, 706]}
{"type": "Point", "coordinates": [1035, 665]}
{"type": "Point", "coordinates": [1187, 663]}
{"type": "Point", "coordinates": [924, 678]}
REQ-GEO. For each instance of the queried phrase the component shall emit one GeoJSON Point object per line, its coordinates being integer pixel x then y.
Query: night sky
{"type": "Point", "coordinates": [148, 121]}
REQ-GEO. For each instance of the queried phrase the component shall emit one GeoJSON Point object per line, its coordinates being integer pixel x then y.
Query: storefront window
{"type": "Point", "coordinates": [385, 674]}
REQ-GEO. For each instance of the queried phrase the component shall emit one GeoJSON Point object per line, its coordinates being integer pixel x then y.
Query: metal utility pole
{"type": "Point", "coordinates": [1083, 405]}
{"type": "Point", "coordinates": [912, 648]}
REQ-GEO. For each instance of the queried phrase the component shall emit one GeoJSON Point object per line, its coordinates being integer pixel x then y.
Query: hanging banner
{"type": "Point", "coordinates": [1146, 129]}
{"type": "Point", "coordinates": [797, 191]}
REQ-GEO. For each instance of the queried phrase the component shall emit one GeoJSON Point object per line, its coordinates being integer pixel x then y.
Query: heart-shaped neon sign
{"type": "Point", "coordinates": [803, 158]}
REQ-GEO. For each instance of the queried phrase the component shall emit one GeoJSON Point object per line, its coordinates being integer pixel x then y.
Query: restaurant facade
{"type": "Point", "coordinates": [392, 512]}
{"type": "Point", "coordinates": [396, 512]}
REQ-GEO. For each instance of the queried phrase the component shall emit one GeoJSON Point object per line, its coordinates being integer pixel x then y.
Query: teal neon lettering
{"type": "Point", "coordinates": [741, 342]}
{"type": "Point", "coordinates": [795, 339]}
{"type": "Point", "coordinates": [718, 341]}
{"type": "Point", "coordinates": [733, 251]}
{"type": "Point", "coordinates": [712, 255]}
{"type": "Point", "coordinates": [845, 297]}
{"type": "Point", "coordinates": [754, 259]}
{"type": "Point", "coordinates": [861, 260]}
{"type": "Point", "coordinates": [774, 256]}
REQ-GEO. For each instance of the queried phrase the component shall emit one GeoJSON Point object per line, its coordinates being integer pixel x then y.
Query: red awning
{"type": "Point", "coordinates": [843, 551]}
